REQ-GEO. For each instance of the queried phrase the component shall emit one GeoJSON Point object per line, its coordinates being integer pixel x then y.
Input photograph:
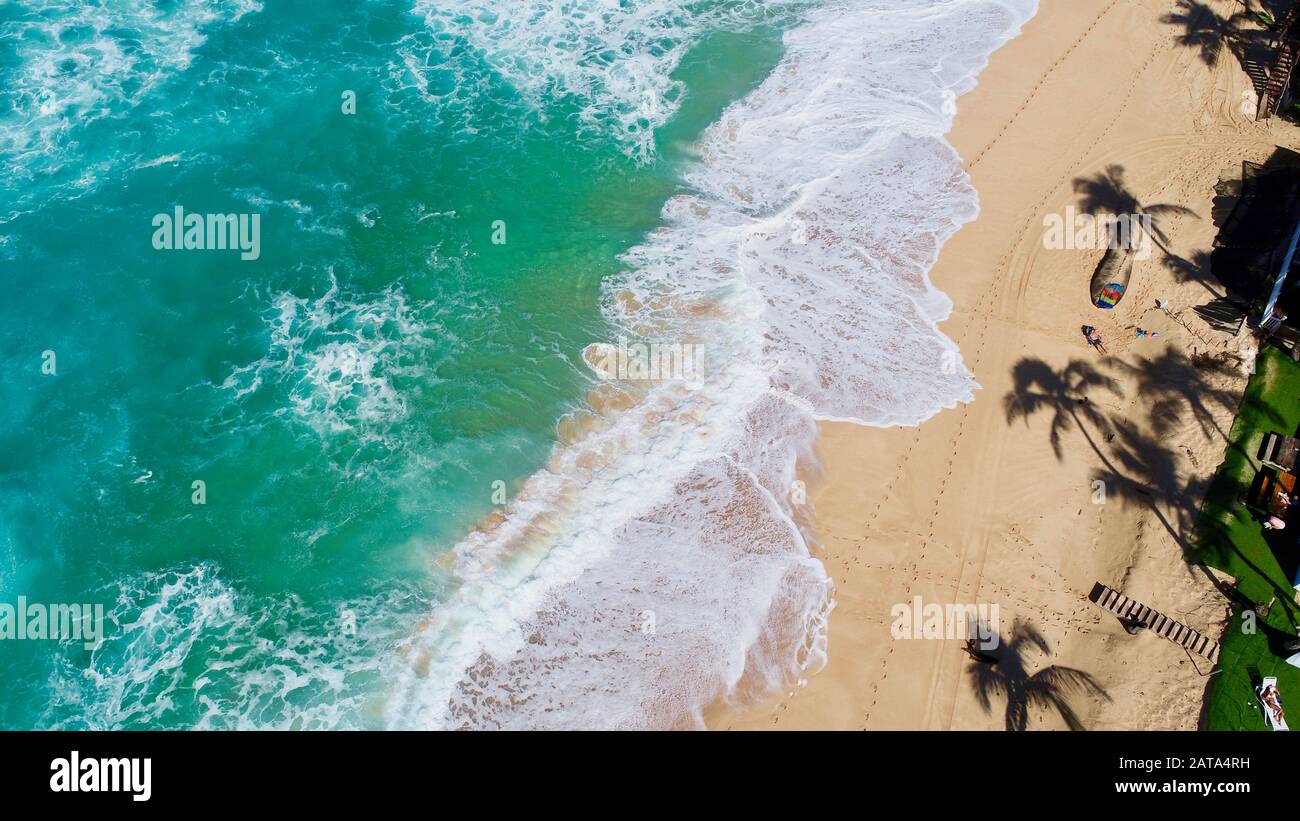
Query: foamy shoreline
{"type": "Point", "coordinates": [799, 256]}
{"type": "Point", "coordinates": [970, 508]}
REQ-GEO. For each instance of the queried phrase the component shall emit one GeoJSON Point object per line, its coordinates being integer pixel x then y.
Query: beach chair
{"type": "Point", "coordinates": [1267, 692]}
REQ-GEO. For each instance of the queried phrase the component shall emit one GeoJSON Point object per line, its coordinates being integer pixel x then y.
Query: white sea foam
{"type": "Point", "coordinates": [614, 58]}
{"type": "Point", "coordinates": [167, 159]}
{"type": "Point", "coordinates": [338, 358]}
{"type": "Point", "coordinates": [79, 62]}
{"type": "Point", "coordinates": [655, 565]}
{"type": "Point", "coordinates": [185, 646]}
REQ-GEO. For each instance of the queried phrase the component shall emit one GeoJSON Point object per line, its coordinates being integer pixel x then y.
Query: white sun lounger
{"type": "Point", "coordinates": [1274, 718]}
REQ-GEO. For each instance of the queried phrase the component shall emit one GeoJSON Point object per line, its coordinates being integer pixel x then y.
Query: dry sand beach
{"type": "Point", "coordinates": [1096, 99]}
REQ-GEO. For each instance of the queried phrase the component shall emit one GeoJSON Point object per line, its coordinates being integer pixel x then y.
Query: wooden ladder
{"type": "Point", "coordinates": [1280, 74]}
{"type": "Point", "coordinates": [1134, 612]}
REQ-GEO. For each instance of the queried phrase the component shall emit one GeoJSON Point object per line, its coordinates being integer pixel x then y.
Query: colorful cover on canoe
{"type": "Point", "coordinates": [1110, 280]}
{"type": "Point", "coordinates": [1110, 295]}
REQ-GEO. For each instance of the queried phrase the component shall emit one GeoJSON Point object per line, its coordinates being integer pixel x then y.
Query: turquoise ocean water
{"type": "Point", "coordinates": [348, 398]}
{"type": "Point", "coordinates": [356, 400]}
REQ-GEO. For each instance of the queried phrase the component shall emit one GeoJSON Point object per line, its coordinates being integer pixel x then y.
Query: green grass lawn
{"type": "Point", "coordinates": [1230, 539]}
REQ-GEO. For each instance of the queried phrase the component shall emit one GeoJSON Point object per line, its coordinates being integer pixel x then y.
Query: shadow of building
{"type": "Point", "coordinates": [1255, 253]}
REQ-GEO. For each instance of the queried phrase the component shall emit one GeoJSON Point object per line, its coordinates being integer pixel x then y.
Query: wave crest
{"type": "Point", "coordinates": [799, 258]}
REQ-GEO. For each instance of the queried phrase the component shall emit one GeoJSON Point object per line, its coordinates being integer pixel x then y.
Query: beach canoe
{"type": "Point", "coordinates": [1111, 278]}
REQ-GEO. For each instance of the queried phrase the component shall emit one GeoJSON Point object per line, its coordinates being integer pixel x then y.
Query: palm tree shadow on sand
{"type": "Point", "coordinates": [1198, 267]}
{"type": "Point", "coordinates": [1038, 387]}
{"type": "Point", "coordinates": [1004, 673]}
{"type": "Point", "coordinates": [1210, 34]}
{"type": "Point", "coordinates": [1172, 382]}
{"type": "Point", "coordinates": [1136, 467]}
{"type": "Point", "coordinates": [1108, 193]}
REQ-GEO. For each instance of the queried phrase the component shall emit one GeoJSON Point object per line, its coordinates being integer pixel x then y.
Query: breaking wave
{"type": "Point", "coordinates": [658, 564]}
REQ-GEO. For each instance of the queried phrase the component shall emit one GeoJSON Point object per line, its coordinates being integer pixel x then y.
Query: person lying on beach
{"type": "Point", "coordinates": [1273, 702]}
{"type": "Point", "coordinates": [1142, 332]}
{"type": "Point", "coordinates": [1094, 338]}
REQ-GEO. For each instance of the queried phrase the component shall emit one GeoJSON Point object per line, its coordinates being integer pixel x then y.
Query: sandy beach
{"type": "Point", "coordinates": [995, 502]}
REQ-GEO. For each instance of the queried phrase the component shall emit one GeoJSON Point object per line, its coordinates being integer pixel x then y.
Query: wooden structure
{"type": "Point", "coordinates": [1135, 613]}
{"type": "Point", "coordinates": [1287, 48]}
{"type": "Point", "coordinates": [1279, 452]}
{"type": "Point", "coordinates": [1258, 246]}
{"type": "Point", "coordinates": [1274, 493]}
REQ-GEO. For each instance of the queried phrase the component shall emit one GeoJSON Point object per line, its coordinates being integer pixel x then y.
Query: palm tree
{"type": "Point", "coordinates": [1265, 17]}
{"type": "Point", "coordinates": [1108, 193]}
{"type": "Point", "coordinates": [1049, 688]}
{"type": "Point", "coordinates": [1038, 387]}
